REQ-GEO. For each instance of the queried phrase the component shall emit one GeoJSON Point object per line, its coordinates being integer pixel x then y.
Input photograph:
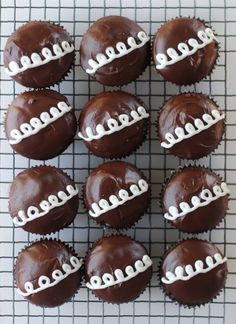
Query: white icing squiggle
{"type": "Point", "coordinates": [189, 272]}
{"type": "Point", "coordinates": [114, 125]}
{"type": "Point", "coordinates": [191, 129]}
{"type": "Point", "coordinates": [45, 282]}
{"type": "Point", "coordinates": [109, 280]}
{"type": "Point", "coordinates": [36, 124]}
{"type": "Point", "coordinates": [35, 59]}
{"type": "Point", "coordinates": [206, 196]}
{"type": "Point", "coordinates": [111, 55]}
{"type": "Point", "coordinates": [206, 37]}
{"type": "Point", "coordinates": [45, 205]}
{"type": "Point", "coordinates": [104, 206]}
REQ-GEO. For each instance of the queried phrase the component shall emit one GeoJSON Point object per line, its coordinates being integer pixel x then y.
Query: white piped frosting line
{"type": "Point", "coordinates": [35, 60]}
{"type": "Point", "coordinates": [206, 37]}
{"type": "Point", "coordinates": [114, 125]}
{"type": "Point", "coordinates": [36, 124]}
{"type": "Point", "coordinates": [204, 199]}
{"type": "Point", "coordinates": [119, 276]}
{"type": "Point", "coordinates": [189, 272]}
{"type": "Point", "coordinates": [45, 282]}
{"type": "Point", "coordinates": [191, 130]}
{"type": "Point", "coordinates": [111, 55]}
{"type": "Point", "coordinates": [104, 206]}
{"type": "Point", "coordinates": [45, 205]}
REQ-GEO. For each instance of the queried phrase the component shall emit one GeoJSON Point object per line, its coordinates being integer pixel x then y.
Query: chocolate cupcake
{"type": "Point", "coordinates": [43, 200]}
{"type": "Point", "coordinates": [190, 125]}
{"type": "Point", "coordinates": [193, 272]}
{"type": "Point", "coordinates": [185, 50]}
{"type": "Point", "coordinates": [116, 194]}
{"type": "Point", "coordinates": [113, 124]}
{"type": "Point", "coordinates": [38, 54]}
{"type": "Point", "coordinates": [117, 269]}
{"type": "Point", "coordinates": [114, 51]}
{"type": "Point", "coordinates": [195, 199]}
{"type": "Point", "coordinates": [48, 273]}
{"type": "Point", "coordinates": [40, 124]}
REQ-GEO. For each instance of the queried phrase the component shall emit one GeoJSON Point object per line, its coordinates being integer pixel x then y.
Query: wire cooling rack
{"type": "Point", "coordinates": [151, 307]}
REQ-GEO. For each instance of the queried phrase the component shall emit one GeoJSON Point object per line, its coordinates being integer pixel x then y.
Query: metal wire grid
{"type": "Point", "coordinates": [152, 306]}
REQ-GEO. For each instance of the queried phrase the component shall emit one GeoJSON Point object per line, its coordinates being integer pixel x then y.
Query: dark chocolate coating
{"type": "Point", "coordinates": [185, 184]}
{"type": "Point", "coordinates": [108, 105]}
{"type": "Point", "coordinates": [41, 259]}
{"type": "Point", "coordinates": [203, 287]}
{"type": "Point", "coordinates": [185, 108]}
{"type": "Point", "coordinates": [117, 252]}
{"type": "Point", "coordinates": [193, 68]}
{"type": "Point", "coordinates": [108, 179]}
{"type": "Point", "coordinates": [32, 38]}
{"type": "Point", "coordinates": [32, 186]}
{"type": "Point", "coordinates": [49, 141]}
{"type": "Point", "coordinates": [107, 32]}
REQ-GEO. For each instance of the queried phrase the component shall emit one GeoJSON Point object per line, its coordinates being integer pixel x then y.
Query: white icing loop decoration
{"type": "Point", "coordinates": [36, 124]}
{"type": "Point", "coordinates": [45, 205]}
{"type": "Point", "coordinates": [206, 197]}
{"type": "Point", "coordinates": [111, 55]}
{"type": "Point", "coordinates": [114, 125]}
{"type": "Point", "coordinates": [119, 276]}
{"type": "Point", "coordinates": [104, 206]}
{"type": "Point", "coordinates": [206, 37]}
{"type": "Point", "coordinates": [59, 50]}
{"type": "Point", "coordinates": [189, 272]}
{"type": "Point", "coordinates": [191, 130]}
{"type": "Point", "coordinates": [45, 282]}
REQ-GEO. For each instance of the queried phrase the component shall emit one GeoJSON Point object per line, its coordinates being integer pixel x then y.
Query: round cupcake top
{"type": "Point", "coordinates": [193, 272]}
{"type": "Point", "coordinates": [40, 124]}
{"type": "Point", "coordinates": [185, 50]}
{"type": "Point", "coordinates": [47, 273]}
{"type": "Point", "coordinates": [38, 54]}
{"type": "Point", "coordinates": [114, 50]}
{"type": "Point", "coordinates": [116, 194]}
{"type": "Point", "coordinates": [43, 199]}
{"type": "Point", "coordinates": [117, 269]}
{"type": "Point", "coordinates": [190, 125]}
{"type": "Point", "coordinates": [195, 199]}
{"type": "Point", "coordinates": [113, 124]}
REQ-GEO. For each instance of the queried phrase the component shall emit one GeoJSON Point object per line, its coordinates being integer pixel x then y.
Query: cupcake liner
{"type": "Point", "coordinates": [175, 301]}
{"type": "Point", "coordinates": [167, 181]}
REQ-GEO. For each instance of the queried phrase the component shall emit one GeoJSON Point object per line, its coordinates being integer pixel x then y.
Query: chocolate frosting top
{"type": "Point", "coordinates": [36, 184]}
{"type": "Point", "coordinates": [32, 38]}
{"type": "Point", "coordinates": [49, 141]}
{"type": "Point", "coordinates": [108, 179]}
{"type": "Point", "coordinates": [193, 68]}
{"type": "Point", "coordinates": [203, 287]}
{"type": "Point", "coordinates": [107, 32]}
{"type": "Point", "coordinates": [117, 252]}
{"type": "Point", "coordinates": [185, 184]}
{"type": "Point", "coordinates": [108, 105]}
{"type": "Point", "coordinates": [41, 259]}
{"type": "Point", "coordinates": [186, 108]}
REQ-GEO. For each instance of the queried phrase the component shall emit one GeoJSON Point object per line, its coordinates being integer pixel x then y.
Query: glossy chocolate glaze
{"type": "Point", "coordinates": [117, 252]}
{"type": "Point", "coordinates": [193, 68]}
{"type": "Point", "coordinates": [107, 32]}
{"type": "Point", "coordinates": [203, 287]}
{"type": "Point", "coordinates": [32, 186]}
{"type": "Point", "coordinates": [108, 105]}
{"type": "Point", "coordinates": [41, 259]}
{"type": "Point", "coordinates": [32, 38]}
{"type": "Point", "coordinates": [185, 184]}
{"type": "Point", "coordinates": [107, 180]}
{"type": "Point", "coordinates": [185, 108]}
{"type": "Point", "coordinates": [49, 141]}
